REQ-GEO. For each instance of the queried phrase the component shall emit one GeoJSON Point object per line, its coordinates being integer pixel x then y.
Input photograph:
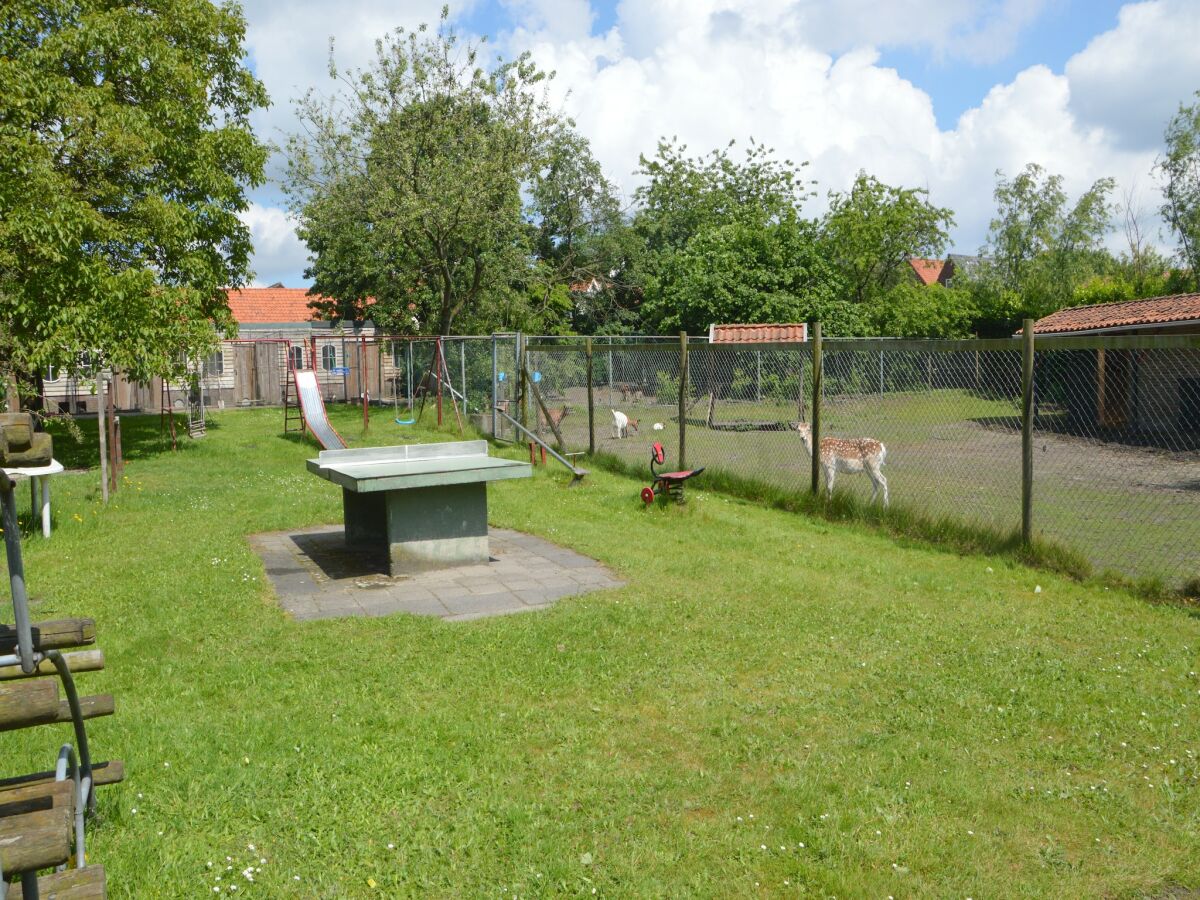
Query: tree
{"type": "Point", "coordinates": [755, 272]}
{"type": "Point", "coordinates": [914, 310]}
{"type": "Point", "coordinates": [1038, 247]}
{"type": "Point", "coordinates": [408, 185]}
{"type": "Point", "coordinates": [1180, 167]}
{"type": "Point", "coordinates": [747, 211]}
{"type": "Point", "coordinates": [126, 148]}
{"type": "Point", "coordinates": [875, 228]}
{"type": "Point", "coordinates": [580, 235]}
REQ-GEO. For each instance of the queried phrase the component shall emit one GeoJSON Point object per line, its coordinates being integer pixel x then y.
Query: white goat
{"type": "Point", "coordinates": [859, 455]}
{"type": "Point", "coordinates": [622, 423]}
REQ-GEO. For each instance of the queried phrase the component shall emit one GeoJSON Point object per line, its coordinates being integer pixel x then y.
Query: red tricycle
{"type": "Point", "coordinates": [665, 484]}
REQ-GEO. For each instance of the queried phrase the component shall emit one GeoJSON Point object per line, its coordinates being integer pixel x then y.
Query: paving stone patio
{"type": "Point", "coordinates": [316, 576]}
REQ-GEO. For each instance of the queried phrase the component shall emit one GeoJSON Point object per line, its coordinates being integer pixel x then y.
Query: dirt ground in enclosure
{"type": "Point", "coordinates": [1131, 508]}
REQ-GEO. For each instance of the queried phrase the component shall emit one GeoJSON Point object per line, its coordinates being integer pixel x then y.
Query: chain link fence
{"type": "Point", "coordinates": [1114, 433]}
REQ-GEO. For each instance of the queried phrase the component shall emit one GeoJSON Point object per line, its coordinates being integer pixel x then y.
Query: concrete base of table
{"type": "Point", "coordinates": [317, 575]}
{"type": "Point", "coordinates": [426, 528]}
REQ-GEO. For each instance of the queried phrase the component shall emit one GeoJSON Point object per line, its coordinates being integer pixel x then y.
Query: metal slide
{"type": "Point", "coordinates": [313, 408]}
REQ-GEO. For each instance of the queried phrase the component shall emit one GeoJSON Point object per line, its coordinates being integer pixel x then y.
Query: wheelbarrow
{"type": "Point", "coordinates": [665, 484]}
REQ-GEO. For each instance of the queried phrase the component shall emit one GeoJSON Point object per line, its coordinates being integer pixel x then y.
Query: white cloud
{"type": "Point", "coordinates": [1131, 80]}
{"type": "Point", "coordinates": [978, 30]}
{"type": "Point", "coordinates": [279, 255]}
{"type": "Point", "coordinates": [800, 75]}
{"type": "Point", "coordinates": [731, 69]}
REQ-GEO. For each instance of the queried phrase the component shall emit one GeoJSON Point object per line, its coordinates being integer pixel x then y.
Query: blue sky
{"type": "Point", "coordinates": [927, 93]}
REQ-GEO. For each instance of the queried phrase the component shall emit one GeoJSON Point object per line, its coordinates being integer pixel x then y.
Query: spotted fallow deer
{"type": "Point", "coordinates": [858, 455]}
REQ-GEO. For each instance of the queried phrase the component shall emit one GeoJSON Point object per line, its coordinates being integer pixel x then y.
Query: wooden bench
{"type": "Point", "coordinates": [43, 814]}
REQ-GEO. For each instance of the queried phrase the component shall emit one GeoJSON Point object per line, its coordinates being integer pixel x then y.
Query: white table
{"type": "Point", "coordinates": [39, 488]}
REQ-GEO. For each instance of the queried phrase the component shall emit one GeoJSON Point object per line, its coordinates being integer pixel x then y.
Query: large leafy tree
{"type": "Point", "coordinates": [1180, 167]}
{"type": "Point", "coordinates": [580, 237]}
{"type": "Point", "coordinates": [755, 272]}
{"type": "Point", "coordinates": [408, 183]}
{"type": "Point", "coordinates": [723, 239]}
{"type": "Point", "coordinates": [125, 153]}
{"type": "Point", "coordinates": [872, 230]}
{"type": "Point", "coordinates": [1040, 247]}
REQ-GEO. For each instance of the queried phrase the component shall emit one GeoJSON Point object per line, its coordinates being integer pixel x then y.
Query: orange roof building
{"type": "Point", "coordinates": [928, 271]}
{"type": "Point", "coordinates": [757, 334]}
{"type": "Point", "coordinates": [1176, 313]}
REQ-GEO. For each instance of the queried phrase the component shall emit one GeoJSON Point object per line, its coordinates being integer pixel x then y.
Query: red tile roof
{"type": "Point", "coordinates": [252, 305]}
{"type": "Point", "coordinates": [1151, 311]}
{"type": "Point", "coordinates": [756, 334]}
{"type": "Point", "coordinates": [274, 305]}
{"type": "Point", "coordinates": [928, 270]}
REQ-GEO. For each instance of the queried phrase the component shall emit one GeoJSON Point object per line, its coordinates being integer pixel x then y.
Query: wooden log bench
{"type": "Point", "coordinates": [37, 811]}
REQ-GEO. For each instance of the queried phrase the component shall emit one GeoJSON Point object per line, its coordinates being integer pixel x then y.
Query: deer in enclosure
{"type": "Point", "coordinates": [622, 423]}
{"type": "Point", "coordinates": [858, 455]}
{"type": "Point", "coordinates": [631, 392]}
{"type": "Point", "coordinates": [556, 416]}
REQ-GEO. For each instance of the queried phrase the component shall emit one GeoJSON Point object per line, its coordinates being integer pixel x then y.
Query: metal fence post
{"type": "Point", "coordinates": [591, 400]}
{"type": "Point", "coordinates": [610, 372]}
{"type": "Point", "coordinates": [683, 392]}
{"type": "Point", "coordinates": [817, 365]}
{"type": "Point", "coordinates": [1027, 432]}
{"type": "Point", "coordinates": [522, 388]}
{"type": "Point", "coordinates": [495, 386]}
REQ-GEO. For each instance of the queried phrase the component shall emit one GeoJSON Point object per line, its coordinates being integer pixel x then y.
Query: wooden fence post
{"type": "Point", "coordinates": [1027, 432]}
{"type": "Point", "coordinates": [818, 366]}
{"type": "Point", "coordinates": [591, 400]}
{"type": "Point", "coordinates": [102, 432]}
{"type": "Point", "coordinates": [683, 392]}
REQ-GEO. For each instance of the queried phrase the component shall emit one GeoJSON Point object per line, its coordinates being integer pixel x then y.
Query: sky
{"type": "Point", "coordinates": [936, 94]}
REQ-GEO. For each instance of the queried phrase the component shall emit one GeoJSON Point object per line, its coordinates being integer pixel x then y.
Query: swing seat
{"type": "Point", "coordinates": [406, 421]}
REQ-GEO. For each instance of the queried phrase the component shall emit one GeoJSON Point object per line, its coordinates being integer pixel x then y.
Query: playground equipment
{"type": "Point", "coordinates": [577, 473]}
{"type": "Point", "coordinates": [665, 483]}
{"type": "Point", "coordinates": [408, 384]}
{"type": "Point", "coordinates": [43, 814]}
{"type": "Point", "coordinates": [312, 409]}
{"type": "Point", "coordinates": [427, 503]}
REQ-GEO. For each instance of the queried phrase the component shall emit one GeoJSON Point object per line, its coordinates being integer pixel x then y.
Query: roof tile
{"type": "Point", "coordinates": [1150, 311]}
{"type": "Point", "coordinates": [928, 270]}
{"type": "Point", "coordinates": [756, 334]}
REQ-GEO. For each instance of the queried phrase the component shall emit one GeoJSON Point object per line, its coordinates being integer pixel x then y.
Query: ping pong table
{"type": "Point", "coordinates": [427, 503]}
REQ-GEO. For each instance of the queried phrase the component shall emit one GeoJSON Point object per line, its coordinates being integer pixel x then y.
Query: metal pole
{"type": "Point", "coordinates": [362, 378]}
{"type": "Point", "coordinates": [880, 373]}
{"type": "Point", "coordinates": [1027, 432]}
{"type": "Point", "coordinates": [112, 443]}
{"type": "Point", "coordinates": [591, 400]}
{"type": "Point", "coordinates": [610, 373]}
{"type": "Point", "coordinates": [463, 344]}
{"type": "Point", "coordinates": [437, 352]}
{"type": "Point", "coordinates": [818, 365]}
{"type": "Point", "coordinates": [683, 392]}
{"type": "Point", "coordinates": [495, 386]}
{"type": "Point", "coordinates": [16, 572]}
{"type": "Point", "coordinates": [758, 376]}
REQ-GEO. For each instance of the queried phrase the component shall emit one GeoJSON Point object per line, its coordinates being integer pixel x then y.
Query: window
{"type": "Point", "coordinates": [51, 375]}
{"type": "Point", "coordinates": [85, 362]}
{"type": "Point", "coordinates": [328, 357]}
{"type": "Point", "coordinates": [215, 364]}
{"type": "Point", "coordinates": [296, 357]}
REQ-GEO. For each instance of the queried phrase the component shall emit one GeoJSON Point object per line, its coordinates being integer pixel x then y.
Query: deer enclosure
{"type": "Point", "coordinates": [1115, 429]}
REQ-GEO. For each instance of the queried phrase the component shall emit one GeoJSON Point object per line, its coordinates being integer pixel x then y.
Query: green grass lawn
{"type": "Point", "coordinates": [774, 705]}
